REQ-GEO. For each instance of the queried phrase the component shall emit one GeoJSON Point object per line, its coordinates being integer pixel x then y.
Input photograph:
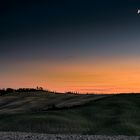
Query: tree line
{"type": "Point", "coordinates": [5, 91]}
{"type": "Point", "coordinates": [19, 90]}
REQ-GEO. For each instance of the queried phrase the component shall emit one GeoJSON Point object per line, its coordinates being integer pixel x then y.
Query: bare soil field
{"type": "Point", "coordinates": [37, 136]}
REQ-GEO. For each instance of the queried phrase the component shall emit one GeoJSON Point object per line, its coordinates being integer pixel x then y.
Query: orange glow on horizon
{"type": "Point", "coordinates": [103, 76]}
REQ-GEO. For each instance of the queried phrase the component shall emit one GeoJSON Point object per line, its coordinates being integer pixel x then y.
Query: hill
{"type": "Point", "coordinates": [69, 113]}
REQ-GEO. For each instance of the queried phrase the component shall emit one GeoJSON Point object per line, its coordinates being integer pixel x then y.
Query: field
{"type": "Point", "coordinates": [38, 136]}
{"type": "Point", "coordinates": [71, 114]}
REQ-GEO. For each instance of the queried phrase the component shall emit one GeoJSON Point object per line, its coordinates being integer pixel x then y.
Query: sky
{"type": "Point", "coordinates": [88, 46]}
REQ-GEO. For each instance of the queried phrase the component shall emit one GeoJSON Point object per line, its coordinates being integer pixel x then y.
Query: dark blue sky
{"type": "Point", "coordinates": [66, 25]}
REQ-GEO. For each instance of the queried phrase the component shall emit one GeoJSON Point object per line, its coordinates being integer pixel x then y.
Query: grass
{"type": "Point", "coordinates": [109, 115]}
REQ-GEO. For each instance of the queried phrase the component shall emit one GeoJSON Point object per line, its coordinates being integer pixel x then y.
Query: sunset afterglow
{"type": "Point", "coordinates": [103, 76]}
{"type": "Point", "coordinates": [85, 46]}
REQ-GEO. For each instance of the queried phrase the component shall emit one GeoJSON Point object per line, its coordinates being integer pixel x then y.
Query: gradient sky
{"type": "Point", "coordinates": [70, 45]}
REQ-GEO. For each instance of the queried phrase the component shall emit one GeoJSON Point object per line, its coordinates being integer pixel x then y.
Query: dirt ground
{"type": "Point", "coordinates": [36, 136]}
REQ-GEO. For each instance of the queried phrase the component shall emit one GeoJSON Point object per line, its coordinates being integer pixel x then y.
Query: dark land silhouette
{"type": "Point", "coordinates": [44, 111]}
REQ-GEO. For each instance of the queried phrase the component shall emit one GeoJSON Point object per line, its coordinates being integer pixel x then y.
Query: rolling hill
{"type": "Point", "coordinates": [71, 114]}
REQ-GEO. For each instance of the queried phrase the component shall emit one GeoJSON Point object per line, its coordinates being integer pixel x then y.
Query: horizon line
{"type": "Point", "coordinates": [68, 91]}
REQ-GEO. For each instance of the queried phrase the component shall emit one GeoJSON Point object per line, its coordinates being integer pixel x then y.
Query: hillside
{"type": "Point", "coordinates": [68, 113]}
{"type": "Point", "coordinates": [34, 102]}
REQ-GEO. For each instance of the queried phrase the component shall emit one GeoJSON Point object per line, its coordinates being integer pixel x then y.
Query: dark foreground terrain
{"type": "Point", "coordinates": [71, 114]}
